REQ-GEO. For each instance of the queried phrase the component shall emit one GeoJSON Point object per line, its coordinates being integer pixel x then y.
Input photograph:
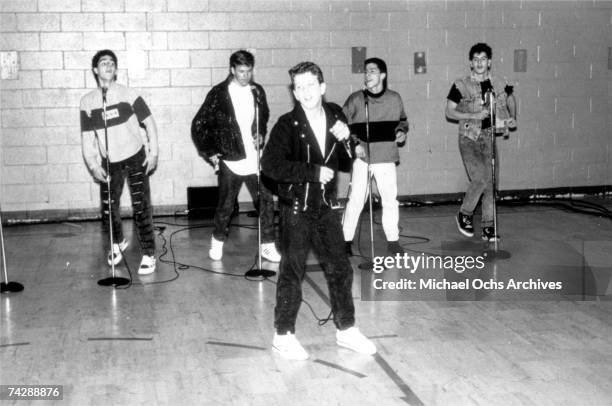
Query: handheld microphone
{"type": "Point", "coordinates": [255, 90]}
{"type": "Point", "coordinates": [345, 142]}
{"type": "Point", "coordinates": [347, 147]}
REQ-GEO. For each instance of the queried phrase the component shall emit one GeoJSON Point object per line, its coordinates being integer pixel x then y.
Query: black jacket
{"type": "Point", "coordinates": [214, 128]}
{"type": "Point", "coordinates": [293, 159]}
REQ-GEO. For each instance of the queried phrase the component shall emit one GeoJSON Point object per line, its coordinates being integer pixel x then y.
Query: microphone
{"type": "Point", "coordinates": [104, 90]}
{"type": "Point", "coordinates": [255, 90]}
{"type": "Point", "coordinates": [344, 142]}
{"type": "Point", "coordinates": [347, 147]}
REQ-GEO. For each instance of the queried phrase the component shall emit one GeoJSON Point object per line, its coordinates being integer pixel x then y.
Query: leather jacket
{"type": "Point", "coordinates": [293, 159]}
{"type": "Point", "coordinates": [214, 128]}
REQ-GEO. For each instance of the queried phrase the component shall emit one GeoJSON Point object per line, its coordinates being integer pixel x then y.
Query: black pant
{"type": "Point", "coordinates": [229, 187]}
{"type": "Point", "coordinates": [319, 229]}
{"type": "Point", "coordinates": [140, 193]}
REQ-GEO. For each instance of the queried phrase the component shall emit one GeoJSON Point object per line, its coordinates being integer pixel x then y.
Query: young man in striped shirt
{"type": "Point", "coordinates": [132, 154]}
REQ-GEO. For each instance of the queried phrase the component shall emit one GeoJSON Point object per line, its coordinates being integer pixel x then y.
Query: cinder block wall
{"type": "Point", "coordinates": [175, 50]}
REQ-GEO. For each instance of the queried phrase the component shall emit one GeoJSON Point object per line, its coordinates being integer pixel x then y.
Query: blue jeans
{"type": "Point", "coordinates": [319, 229]}
{"type": "Point", "coordinates": [476, 157]}
{"type": "Point", "coordinates": [140, 193]}
{"type": "Point", "coordinates": [229, 186]}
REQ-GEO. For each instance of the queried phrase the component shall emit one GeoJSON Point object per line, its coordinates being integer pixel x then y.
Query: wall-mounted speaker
{"type": "Point", "coordinates": [358, 57]}
{"type": "Point", "coordinates": [520, 60]}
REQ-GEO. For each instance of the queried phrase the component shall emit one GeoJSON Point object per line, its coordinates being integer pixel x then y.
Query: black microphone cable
{"type": "Point", "coordinates": [177, 265]}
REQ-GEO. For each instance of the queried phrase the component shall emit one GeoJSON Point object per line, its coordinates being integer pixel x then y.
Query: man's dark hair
{"type": "Point", "coordinates": [480, 48]}
{"type": "Point", "coordinates": [242, 57]}
{"type": "Point", "coordinates": [382, 67]}
{"type": "Point", "coordinates": [105, 52]}
{"type": "Point", "coordinates": [96, 59]}
{"type": "Point", "coordinates": [305, 67]}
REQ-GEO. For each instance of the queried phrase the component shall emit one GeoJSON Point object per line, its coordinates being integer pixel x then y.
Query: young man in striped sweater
{"type": "Point", "coordinates": [132, 153]}
{"type": "Point", "coordinates": [388, 128]}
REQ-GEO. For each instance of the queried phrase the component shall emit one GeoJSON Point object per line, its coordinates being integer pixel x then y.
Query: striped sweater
{"type": "Point", "coordinates": [125, 109]}
{"type": "Point", "coordinates": [386, 116]}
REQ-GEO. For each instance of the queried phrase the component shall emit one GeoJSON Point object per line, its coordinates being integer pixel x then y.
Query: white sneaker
{"type": "Point", "coordinates": [116, 255]}
{"type": "Point", "coordinates": [352, 339]}
{"type": "Point", "coordinates": [147, 265]}
{"type": "Point", "coordinates": [216, 249]}
{"type": "Point", "coordinates": [289, 347]}
{"type": "Point", "coordinates": [269, 252]}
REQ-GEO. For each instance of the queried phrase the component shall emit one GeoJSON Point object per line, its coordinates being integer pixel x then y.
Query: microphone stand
{"type": "Point", "coordinates": [7, 286]}
{"type": "Point", "coordinates": [369, 264]}
{"type": "Point", "coordinates": [495, 253]}
{"type": "Point", "coordinates": [259, 271]}
{"type": "Point", "coordinates": [112, 280]}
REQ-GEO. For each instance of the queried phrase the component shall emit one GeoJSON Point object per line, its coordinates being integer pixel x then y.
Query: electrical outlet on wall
{"type": "Point", "coordinates": [9, 65]}
{"type": "Point", "coordinates": [420, 64]}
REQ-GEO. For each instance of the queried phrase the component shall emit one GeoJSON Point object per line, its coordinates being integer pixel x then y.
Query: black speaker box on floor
{"type": "Point", "coordinates": [202, 202]}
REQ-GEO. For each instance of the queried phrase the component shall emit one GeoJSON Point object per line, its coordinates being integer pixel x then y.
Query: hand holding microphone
{"type": "Point", "coordinates": [481, 115]}
{"type": "Point", "coordinates": [214, 160]}
{"type": "Point", "coordinates": [340, 130]}
{"type": "Point", "coordinates": [99, 173]}
{"type": "Point", "coordinates": [342, 133]}
{"type": "Point", "coordinates": [484, 109]}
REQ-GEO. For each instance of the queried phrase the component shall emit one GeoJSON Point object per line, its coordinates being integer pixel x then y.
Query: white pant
{"type": "Point", "coordinates": [386, 181]}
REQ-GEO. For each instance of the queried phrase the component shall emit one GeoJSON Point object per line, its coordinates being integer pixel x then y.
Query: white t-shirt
{"type": "Point", "coordinates": [318, 123]}
{"type": "Point", "coordinates": [244, 107]}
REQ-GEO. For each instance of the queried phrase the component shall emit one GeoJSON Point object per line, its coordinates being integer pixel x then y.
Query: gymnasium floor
{"type": "Point", "coordinates": [201, 334]}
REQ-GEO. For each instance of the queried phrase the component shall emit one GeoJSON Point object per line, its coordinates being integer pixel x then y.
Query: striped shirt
{"type": "Point", "coordinates": [386, 117]}
{"type": "Point", "coordinates": [125, 110]}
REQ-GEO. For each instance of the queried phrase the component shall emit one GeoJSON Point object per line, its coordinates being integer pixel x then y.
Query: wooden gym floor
{"type": "Point", "coordinates": [201, 335]}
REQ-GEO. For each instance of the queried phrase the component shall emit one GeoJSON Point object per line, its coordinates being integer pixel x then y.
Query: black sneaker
{"type": "Point", "coordinates": [488, 234]}
{"type": "Point", "coordinates": [394, 247]}
{"type": "Point", "coordinates": [348, 248]}
{"type": "Point", "coordinates": [464, 223]}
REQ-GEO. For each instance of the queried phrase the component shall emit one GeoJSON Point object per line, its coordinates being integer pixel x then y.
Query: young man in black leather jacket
{"type": "Point", "coordinates": [303, 156]}
{"type": "Point", "coordinates": [226, 131]}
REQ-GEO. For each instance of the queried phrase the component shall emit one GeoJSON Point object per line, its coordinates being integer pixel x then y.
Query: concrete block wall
{"type": "Point", "coordinates": [175, 50]}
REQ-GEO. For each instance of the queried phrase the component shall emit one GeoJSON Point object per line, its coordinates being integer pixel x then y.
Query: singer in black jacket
{"type": "Point", "coordinates": [303, 155]}
{"type": "Point", "coordinates": [214, 128]}
{"type": "Point", "coordinates": [226, 130]}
